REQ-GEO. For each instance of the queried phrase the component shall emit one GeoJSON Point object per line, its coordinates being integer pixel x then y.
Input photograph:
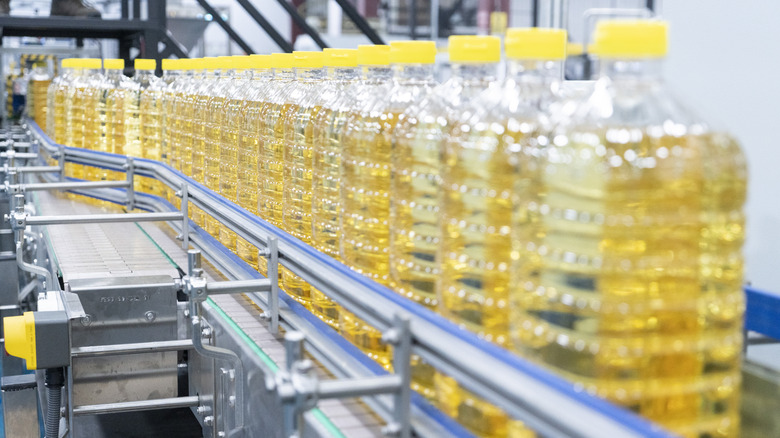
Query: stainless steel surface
{"type": "Point", "coordinates": [103, 218]}
{"type": "Point", "coordinates": [143, 405]}
{"type": "Point", "coordinates": [141, 347]}
{"type": "Point", "coordinates": [74, 185]}
{"type": "Point", "coordinates": [20, 414]}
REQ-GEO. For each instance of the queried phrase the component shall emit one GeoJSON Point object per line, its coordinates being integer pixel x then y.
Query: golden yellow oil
{"type": "Point", "coordinates": [92, 129]}
{"type": "Point", "coordinates": [247, 163]}
{"type": "Point", "coordinates": [365, 337]}
{"type": "Point", "coordinates": [132, 124]}
{"type": "Point", "coordinates": [151, 109]}
{"type": "Point", "coordinates": [365, 210]}
{"type": "Point", "coordinates": [75, 134]}
{"type": "Point", "coordinates": [61, 109]}
{"type": "Point", "coordinates": [298, 150]}
{"type": "Point", "coordinates": [270, 189]}
{"type": "Point", "coordinates": [475, 414]}
{"type": "Point", "coordinates": [228, 160]}
{"type": "Point", "coordinates": [186, 114]}
{"type": "Point", "coordinates": [40, 89]}
{"type": "Point", "coordinates": [630, 270]}
{"type": "Point", "coordinates": [214, 116]}
{"type": "Point", "coordinates": [115, 119]}
{"type": "Point", "coordinates": [365, 195]}
{"type": "Point", "coordinates": [199, 133]}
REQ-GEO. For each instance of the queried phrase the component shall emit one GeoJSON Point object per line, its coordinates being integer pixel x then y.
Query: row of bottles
{"type": "Point", "coordinates": [598, 235]}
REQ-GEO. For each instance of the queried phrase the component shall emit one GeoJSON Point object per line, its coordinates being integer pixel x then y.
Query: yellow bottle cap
{"type": "Point", "coordinates": [91, 63]}
{"type": "Point", "coordinates": [145, 64]}
{"type": "Point", "coordinates": [282, 60]}
{"type": "Point", "coordinates": [535, 43]}
{"type": "Point", "coordinates": [210, 62]}
{"type": "Point", "coordinates": [171, 64]}
{"type": "Point", "coordinates": [68, 62]}
{"type": "Point", "coordinates": [114, 64]}
{"type": "Point", "coordinates": [241, 62]}
{"type": "Point", "coordinates": [472, 48]}
{"type": "Point", "coordinates": [630, 39]}
{"type": "Point", "coordinates": [412, 52]}
{"type": "Point", "coordinates": [373, 55]}
{"type": "Point", "coordinates": [225, 62]}
{"type": "Point", "coordinates": [308, 59]}
{"type": "Point", "coordinates": [260, 61]}
{"type": "Point", "coordinates": [20, 338]}
{"type": "Point", "coordinates": [340, 57]}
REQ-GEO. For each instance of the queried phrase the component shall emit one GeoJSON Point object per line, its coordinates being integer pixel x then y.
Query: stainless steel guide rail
{"type": "Point", "coordinates": [549, 405]}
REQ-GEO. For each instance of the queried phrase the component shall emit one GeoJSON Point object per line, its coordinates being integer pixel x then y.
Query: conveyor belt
{"type": "Point", "coordinates": [128, 249]}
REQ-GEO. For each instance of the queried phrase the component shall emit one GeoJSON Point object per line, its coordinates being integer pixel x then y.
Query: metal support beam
{"type": "Point", "coordinates": [266, 25]}
{"type": "Point", "coordinates": [74, 185]}
{"type": "Point", "coordinates": [359, 21]}
{"type": "Point", "coordinates": [231, 33]}
{"type": "Point", "coordinates": [136, 348]}
{"type": "Point", "coordinates": [299, 21]}
{"type": "Point", "coordinates": [143, 405]}
{"type": "Point", "coordinates": [72, 219]}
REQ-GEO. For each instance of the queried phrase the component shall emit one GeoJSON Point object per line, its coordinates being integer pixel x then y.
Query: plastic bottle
{"type": "Point", "coordinates": [271, 155]}
{"type": "Point", "coordinates": [299, 108]}
{"type": "Point", "coordinates": [81, 111]}
{"type": "Point", "coordinates": [342, 73]}
{"type": "Point", "coordinates": [199, 125]}
{"type": "Point", "coordinates": [150, 103]}
{"type": "Point", "coordinates": [366, 172]}
{"type": "Point", "coordinates": [248, 147]}
{"type": "Point", "coordinates": [629, 270]}
{"type": "Point", "coordinates": [186, 111]}
{"type": "Point", "coordinates": [228, 151]}
{"type": "Point", "coordinates": [172, 71]}
{"type": "Point", "coordinates": [174, 101]}
{"type": "Point", "coordinates": [213, 121]}
{"type": "Point", "coordinates": [478, 169]}
{"type": "Point", "coordinates": [57, 106]}
{"type": "Point", "coordinates": [414, 228]}
{"type": "Point", "coordinates": [37, 90]}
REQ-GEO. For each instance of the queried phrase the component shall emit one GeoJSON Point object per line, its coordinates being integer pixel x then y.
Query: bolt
{"type": "Point", "coordinates": [232, 401]}
{"type": "Point", "coordinates": [150, 316]}
{"type": "Point", "coordinates": [221, 434]}
{"type": "Point", "coordinates": [86, 320]}
{"type": "Point", "coordinates": [202, 410]}
{"type": "Point", "coordinates": [391, 337]}
{"type": "Point", "coordinates": [209, 420]}
{"type": "Point", "coordinates": [186, 313]}
{"type": "Point", "coordinates": [206, 332]}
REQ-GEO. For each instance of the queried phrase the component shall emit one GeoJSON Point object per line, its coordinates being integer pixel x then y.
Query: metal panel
{"type": "Point", "coordinates": [20, 411]}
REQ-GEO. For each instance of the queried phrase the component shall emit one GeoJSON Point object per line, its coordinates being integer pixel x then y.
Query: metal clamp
{"type": "Point", "coordinates": [272, 254]}
{"type": "Point", "coordinates": [299, 389]}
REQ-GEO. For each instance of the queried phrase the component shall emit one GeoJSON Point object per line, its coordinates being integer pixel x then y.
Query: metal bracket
{"type": "Point", "coordinates": [272, 253]}
{"type": "Point", "coordinates": [185, 220]}
{"type": "Point", "coordinates": [130, 167]}
{"type": "Point", "coordinates": [61, 162]}
{"type": "Point", "coordinates": [299, 389]}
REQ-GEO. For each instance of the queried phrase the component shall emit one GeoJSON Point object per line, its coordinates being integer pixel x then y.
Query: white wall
{"type": "Point", "coordinates": [724, 60]}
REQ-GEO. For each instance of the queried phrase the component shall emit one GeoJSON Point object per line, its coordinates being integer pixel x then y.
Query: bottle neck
{"type": "Point", "coordinates": [631, 71]}
{"type": "Point", "coordinates": [343, 74]}
{"type": "Point", "coordinates": [413, 73]}
{"type": "Point", "coordinates": [377, 73]}
{"type": "Point", "coordinates": [246, 74]}
{"type": "Point", "coordinates": [283, 74]}
{"type": "Point", "coordinates": [114, 74]}
{"type": "Point", "coordinates": [309, 74]}
{"type": "Point", "coordinates": [261, 74]}
{"type": "Point", "coordinates": [211, 74]}
{"type": "Point", "coordinates": [534, 72]}
{"type": "Point", "coordinates": [144, 75]}
{"type": "Point", "coordinates": [476, 74]}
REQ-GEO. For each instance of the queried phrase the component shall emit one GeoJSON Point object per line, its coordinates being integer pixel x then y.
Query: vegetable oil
{"type": "Point", "coordinates": [342, 73]}
{"type": "Point", "coordinates": [248, 146]}
{"type": "Point", "coordinates": [213, 121]}
{"type": "Point", "coordinates": [151, 114]}
{"type": "Point", "coordinates": [366, 171]}
{"type": "Point", "coordinates": [173, 105]}
{"type": "Point", "coordinates": [185, 109]}
{"type": "Point", "coordinates": [198, 124]}
{"type": "Point", "coordinates": [80, 109]}
{"type": "Point", "coordinates": [37, 89]}
{"type": "Point", "coordinates": [233, 110]}
{"type": "Point", "coordinates": [271, 155]}
{"type": "Point", "coordinates": [60, 97]}
{"type": "Point", "coordinates": [415, 190]}
{"type": "Point", "coordinates": [629, 267]}
{"type": "Point", "coordinates": [302, 105]}
{"type": "Point", "coordinates": [478, 167]}
{"type": "Point", "coordinates": [94, 127]}
{"type": "Point", "coordinates": [172, 73]}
